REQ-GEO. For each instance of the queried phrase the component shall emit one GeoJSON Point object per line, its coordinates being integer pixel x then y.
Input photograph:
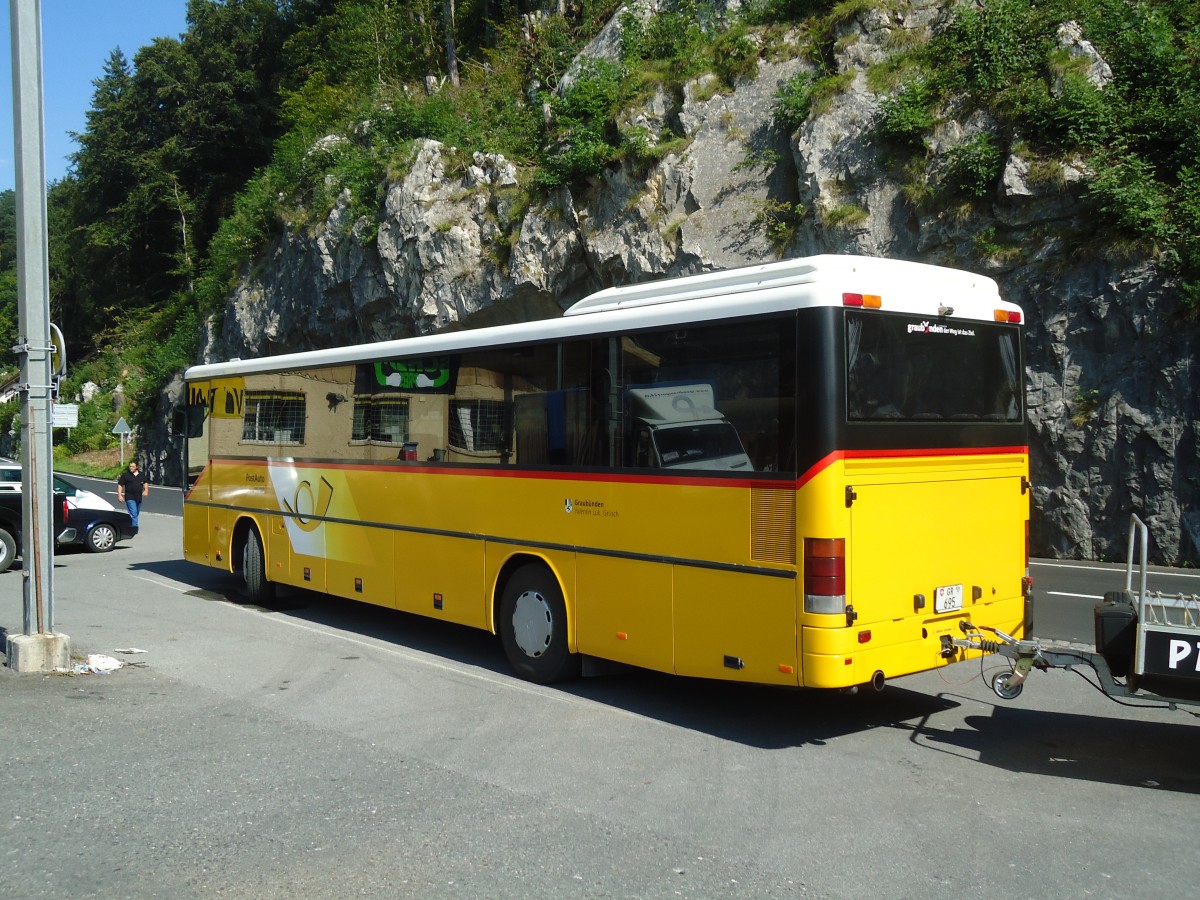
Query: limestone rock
{"type": "Point", "coordinates": [1112, 398]}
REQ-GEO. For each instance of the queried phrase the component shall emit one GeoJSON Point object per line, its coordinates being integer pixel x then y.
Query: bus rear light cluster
{"type": "Point", "coordinates": [870, 301]}
{"type": "Point", "coordinates": [825, 575]}
{"type": "Point", "coordinates": [1013, 317]}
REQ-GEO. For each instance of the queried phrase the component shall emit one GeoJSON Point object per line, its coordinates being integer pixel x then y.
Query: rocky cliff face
{"type": "Point", "coordinates": [1112, 392]}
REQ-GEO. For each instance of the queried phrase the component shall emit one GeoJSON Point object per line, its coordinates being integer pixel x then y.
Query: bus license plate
{"type": "Point", "coordinates": [948, 598]}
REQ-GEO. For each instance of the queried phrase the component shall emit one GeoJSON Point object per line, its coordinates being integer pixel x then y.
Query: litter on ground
{"type": "Point", "coordinates": [99, 664]}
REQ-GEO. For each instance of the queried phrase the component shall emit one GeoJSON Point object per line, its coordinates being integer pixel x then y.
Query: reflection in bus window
{"type": "Point", "coordinates": [274, 417]}
{"type": "Point", "coordinates": [477, 425]}
{"type": "Point", "coordinates": [683, 428]}
{"type": "Point", "coordinates": [710, 445]}
{"type": "Point", "coordinates": [380, 418]}
{"type": "Point", "coordinates": [714, 397]}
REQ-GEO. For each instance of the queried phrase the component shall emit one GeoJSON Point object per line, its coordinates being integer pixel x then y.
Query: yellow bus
{"type": "Point", "coordinates": [803, 473]}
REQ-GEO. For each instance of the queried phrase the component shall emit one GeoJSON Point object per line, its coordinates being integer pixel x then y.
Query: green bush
{"type": "Point", "coordinates": [907, 115]}
{"type": "Point", "coordinates": [974, 166]}
{"type": "Point", "coordinates": [9, 412]}
{"type": "Point", "coordinates": [770, 12]}
{"type": "Point", "coordinates": [793, 102]}
{"type": "Point", "coordinates": [781, 221]}
{"type": "Point", "coordinates": [735, 57]}
{"type": "Point", "coordinates": [674, 35]}
{"type": "Point", "coordinates": [586, 138]}
{"type": "Point", "coordinates": [94, 432]}
{"type": "Point", "coordinates": [240, 237]}
{"type": "Point", "coordinates": [994, 46]}
{"type": "Point", "coordinates": [1131, 199]}
{"type": "Point", "coordinates": [1081, 116]}
{"type": "Point", "coordinates": [162, 361]}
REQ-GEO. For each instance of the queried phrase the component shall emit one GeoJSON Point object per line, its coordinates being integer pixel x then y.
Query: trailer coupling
{"type": "Point", "coordinates": [1027, 655]}
{"type": "Point", "coordinates": [1149, 640]}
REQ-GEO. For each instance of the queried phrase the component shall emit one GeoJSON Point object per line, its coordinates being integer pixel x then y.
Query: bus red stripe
{"type": "Point", "coordinates": [836, 455]}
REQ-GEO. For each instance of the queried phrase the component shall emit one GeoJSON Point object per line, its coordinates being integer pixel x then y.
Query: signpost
{"type": "Point", "coordinates": [122, 428]}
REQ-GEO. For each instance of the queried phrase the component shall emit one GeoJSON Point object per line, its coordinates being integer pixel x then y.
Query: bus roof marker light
{"type": "Point", "coordinates": [1011, 316]}
{"type": "Point", "coordinates": [870, 301]}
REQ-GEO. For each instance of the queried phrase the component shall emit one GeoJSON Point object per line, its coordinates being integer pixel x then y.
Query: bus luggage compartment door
{"type": "Point", "coordinates": [927, 548]}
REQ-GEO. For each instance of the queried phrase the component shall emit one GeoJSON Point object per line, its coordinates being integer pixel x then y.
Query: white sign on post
{"type": "Point", "coordinates": [65, 415]}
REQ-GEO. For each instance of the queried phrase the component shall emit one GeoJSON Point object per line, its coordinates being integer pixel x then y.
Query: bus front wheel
{"type": "Point", "coordinates": [533, 627]}
{"type": "Point", "coordinates": [254, 570]}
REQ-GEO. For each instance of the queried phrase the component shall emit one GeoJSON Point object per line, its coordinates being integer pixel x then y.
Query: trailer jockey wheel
{"type": "Point", "coordinates": [1004, 689]}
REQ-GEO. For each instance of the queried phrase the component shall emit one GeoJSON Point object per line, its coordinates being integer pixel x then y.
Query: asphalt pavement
{"type": "Point", "coordinates": [333, 749]}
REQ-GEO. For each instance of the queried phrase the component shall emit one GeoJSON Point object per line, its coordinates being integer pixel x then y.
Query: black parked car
{"type": "Point", "coordinates": [93, 522]}
{"type": "Point", "coordinates": [96, 529]}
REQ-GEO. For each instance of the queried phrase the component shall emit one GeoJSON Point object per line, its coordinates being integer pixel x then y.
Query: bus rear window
{"type": "Point", "coordinates": [907, 368]}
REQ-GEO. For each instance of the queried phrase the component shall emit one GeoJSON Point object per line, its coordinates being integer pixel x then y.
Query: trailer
{"type": "Point", "coordinates": [1147, 643]}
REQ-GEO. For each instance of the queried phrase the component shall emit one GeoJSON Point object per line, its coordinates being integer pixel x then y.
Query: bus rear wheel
{"type": "Point", "coordinates": [254, 570]}
{"type": "Point", "coordinates": [533, 627]}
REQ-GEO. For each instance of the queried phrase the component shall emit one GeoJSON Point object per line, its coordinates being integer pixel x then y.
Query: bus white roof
{"type": "Point", "coordinates": [813, 281]}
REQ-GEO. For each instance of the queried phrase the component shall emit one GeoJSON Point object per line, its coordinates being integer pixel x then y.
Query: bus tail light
{"type": "Point", "coordinates": [825, 575]}
{"type": "Point", "coordinates": [1012, 316]}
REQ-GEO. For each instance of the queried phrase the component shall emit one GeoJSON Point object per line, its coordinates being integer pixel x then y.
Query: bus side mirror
{"type": "Point", "coordinates": [188, 421]}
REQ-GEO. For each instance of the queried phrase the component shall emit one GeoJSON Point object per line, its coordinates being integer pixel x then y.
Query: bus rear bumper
{"type": "Point", "coordinates": [848, 657]}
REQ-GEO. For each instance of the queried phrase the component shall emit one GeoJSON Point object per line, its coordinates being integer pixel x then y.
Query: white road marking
{"type": "Point", "coordinates": [1101, 567]}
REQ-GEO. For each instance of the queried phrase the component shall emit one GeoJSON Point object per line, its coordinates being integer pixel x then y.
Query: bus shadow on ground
{"type": "Point", "coordinates": [1109, 750]}
{"type": "Point", "coordinates": [768, 718]}
{"type": "Point", "coordinates": [755, 715]}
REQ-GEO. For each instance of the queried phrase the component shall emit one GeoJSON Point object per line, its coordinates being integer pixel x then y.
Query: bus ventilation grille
{"type": "Point", "coordinates": [773, 525]}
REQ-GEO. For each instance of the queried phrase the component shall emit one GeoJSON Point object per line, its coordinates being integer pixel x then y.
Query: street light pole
{"type": "Point", "coordinates": [39, 648]}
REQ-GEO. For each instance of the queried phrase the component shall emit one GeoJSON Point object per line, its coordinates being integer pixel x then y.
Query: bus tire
{"type": "Point", "coordinates": [8, 550]}
{"type": "Point", "coordinates": [533, 627]}
{"type": "Point", "coordinates": [254, 570]}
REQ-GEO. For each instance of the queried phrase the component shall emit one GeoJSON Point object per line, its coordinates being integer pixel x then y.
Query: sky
{"type": "Point", "coordinates": [77, 38]}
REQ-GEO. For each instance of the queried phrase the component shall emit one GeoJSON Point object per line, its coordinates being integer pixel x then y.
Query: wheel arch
{"type": "Point", "coordinates": [237, 542]}
{"type": "Point", "coordinates": [558, 569]}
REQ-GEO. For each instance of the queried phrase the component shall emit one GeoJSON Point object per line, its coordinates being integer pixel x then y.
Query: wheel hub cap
{"type": "Point", "coordinates": [533, 625]}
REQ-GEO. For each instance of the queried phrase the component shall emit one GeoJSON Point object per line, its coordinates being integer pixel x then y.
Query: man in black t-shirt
{"type": "Point", "coordinates": [131, 488]}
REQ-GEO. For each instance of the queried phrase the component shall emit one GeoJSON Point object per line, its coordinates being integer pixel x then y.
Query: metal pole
{"type": "Point", "coordinates": [33, 307]}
